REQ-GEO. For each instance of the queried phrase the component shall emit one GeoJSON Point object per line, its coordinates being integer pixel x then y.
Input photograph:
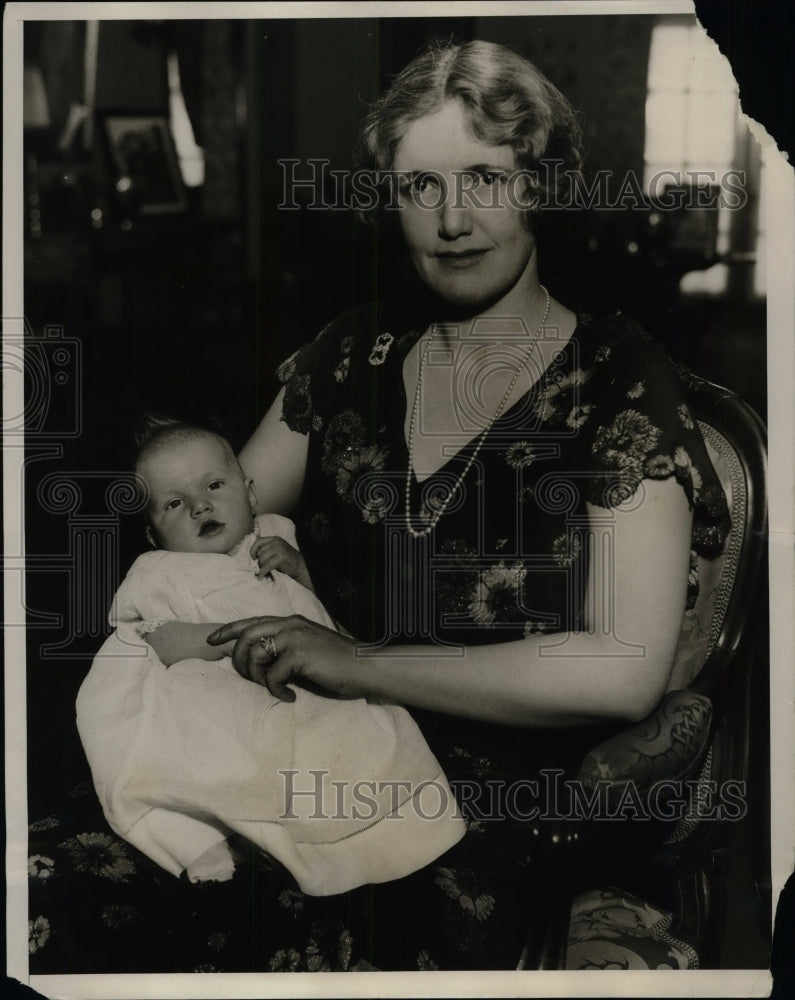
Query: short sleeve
{"type": "Point", "coordinates": [643, 429]}
{"type": "Point", "coordinates": [312, 374]}
{"type": "Point", "coordinates": [295, 374]}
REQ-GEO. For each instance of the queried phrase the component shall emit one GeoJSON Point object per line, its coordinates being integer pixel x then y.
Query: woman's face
{"type": "Point", "coordinates": [461, 215]}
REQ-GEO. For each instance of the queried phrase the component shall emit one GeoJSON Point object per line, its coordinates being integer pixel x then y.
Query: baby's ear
{"type": "Point", "coordinates": [150, 536]}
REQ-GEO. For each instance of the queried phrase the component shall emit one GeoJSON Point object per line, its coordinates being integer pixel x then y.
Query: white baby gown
{"type": "Point", "coordinates": [342, 792]}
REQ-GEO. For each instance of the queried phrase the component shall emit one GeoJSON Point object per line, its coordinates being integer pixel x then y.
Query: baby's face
{"type": "Point", "coordinates": [199, 499]}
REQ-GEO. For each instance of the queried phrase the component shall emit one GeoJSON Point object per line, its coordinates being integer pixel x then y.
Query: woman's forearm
{"type": "Point", "coordinates": [565, 679]}
{"type": "Point", "coordinates": [617, 667]}
{"type": "Point", "coordinates": [616, 672]}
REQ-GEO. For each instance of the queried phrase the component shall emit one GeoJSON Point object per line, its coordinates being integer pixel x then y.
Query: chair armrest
{"type": "Point", "coordinates": [668, 745]}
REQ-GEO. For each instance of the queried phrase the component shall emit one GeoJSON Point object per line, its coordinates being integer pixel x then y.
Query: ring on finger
{"type": "Point", "coordinates": [268, 643]}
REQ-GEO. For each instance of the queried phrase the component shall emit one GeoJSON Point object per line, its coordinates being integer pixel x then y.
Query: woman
{"type": "Point", "coordinates": [497, 496]}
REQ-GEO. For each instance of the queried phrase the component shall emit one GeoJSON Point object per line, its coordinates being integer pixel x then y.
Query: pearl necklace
{"type": "Point", "coordinates": [435, 517]}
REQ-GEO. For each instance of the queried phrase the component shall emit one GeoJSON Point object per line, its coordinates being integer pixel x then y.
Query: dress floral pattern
{"type": "Point", "coordinates": [97, 905]}
{"type": "Point", "coordinates": [608, 413]}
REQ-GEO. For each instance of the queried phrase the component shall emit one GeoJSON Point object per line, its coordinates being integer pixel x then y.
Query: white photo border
{"type": "Point", "coordinates": [781, 372]}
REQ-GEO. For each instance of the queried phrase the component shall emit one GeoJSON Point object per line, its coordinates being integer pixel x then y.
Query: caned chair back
{"type": "Point", "coordinates": [714, 629]}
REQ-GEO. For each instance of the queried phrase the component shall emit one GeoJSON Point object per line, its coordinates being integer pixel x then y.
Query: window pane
{"type": "Point", "coordinates": [665, 128]}
{"type": "Point", "coordinates": [709, 133]}
{"type": "Point", "coordinates": [658, 176]}
{"type": "Point", "coordinates": [724, 231]}
{"type": "Point", "coordinates": [692, 122]}
{"type": "Point", "coordinates": [669, 55]}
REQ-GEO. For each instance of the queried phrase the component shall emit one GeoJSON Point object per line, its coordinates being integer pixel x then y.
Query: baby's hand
{"type": "Point", "coordinates": [273, 552]}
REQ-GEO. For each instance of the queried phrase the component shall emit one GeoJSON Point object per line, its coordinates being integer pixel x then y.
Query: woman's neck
{"type": "Point", "coordinates": [521, 311]}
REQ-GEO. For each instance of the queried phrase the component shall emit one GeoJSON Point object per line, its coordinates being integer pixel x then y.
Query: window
{"type": "Point", "coordinates": [189, 155]}
{"type": "Point", "coordinates": [695, 128]}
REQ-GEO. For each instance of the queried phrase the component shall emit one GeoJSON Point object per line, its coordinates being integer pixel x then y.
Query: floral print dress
{"type": "Point", "coordinates": [506, 560]}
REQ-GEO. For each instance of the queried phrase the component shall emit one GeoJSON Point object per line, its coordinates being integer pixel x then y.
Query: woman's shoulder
{"type": "Point", "coordinates": [614, 330]}
{"type": "Point", "coordinates": [336, 338]}
{"type": "Point", "coordinates": [359, 321]}
{"type": "Point", "coordinates": [616, 347]}
{"type": "Point", "coordinates": [362, 334]}
{"type": "Point", "coordinates": [361, 324]}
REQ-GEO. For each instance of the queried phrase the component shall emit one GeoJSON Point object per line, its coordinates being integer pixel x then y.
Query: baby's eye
{"type": "Point", "coordinates": [174, 504]}
{"type": "Point", "coordinates": [216, 484]}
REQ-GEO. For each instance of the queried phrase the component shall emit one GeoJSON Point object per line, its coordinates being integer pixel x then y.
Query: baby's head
{"type": "Point", "coordinates": [199, 499]}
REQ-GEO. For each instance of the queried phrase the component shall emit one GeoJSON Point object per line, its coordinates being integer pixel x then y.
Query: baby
{"type": "Point", "coordinates": [200, 501]}
{"type": "Point", "coordinates": [184, 751]}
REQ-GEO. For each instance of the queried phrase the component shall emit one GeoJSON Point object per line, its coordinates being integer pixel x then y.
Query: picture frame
{"type": "Point", "coordinates": [143, 167]}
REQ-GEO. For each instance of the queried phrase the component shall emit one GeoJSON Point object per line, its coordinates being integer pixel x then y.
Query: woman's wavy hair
{"type": "Point", "coordinates": [508, 102]}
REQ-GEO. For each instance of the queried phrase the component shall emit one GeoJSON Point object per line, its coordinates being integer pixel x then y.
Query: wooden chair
{"type": "Point", "coordinates": [701, 733]}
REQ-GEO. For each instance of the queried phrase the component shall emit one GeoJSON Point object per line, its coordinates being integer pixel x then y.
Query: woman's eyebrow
{"type": "Point", "coordinates": [481, 168]}
{"type": "Point", "coordinates": [475, 168]}
{"type": "Point", "coordinates": [410, 175]}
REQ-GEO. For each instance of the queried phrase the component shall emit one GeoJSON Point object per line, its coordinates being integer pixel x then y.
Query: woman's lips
{"type": "Point", "coordinates": [461, 261]}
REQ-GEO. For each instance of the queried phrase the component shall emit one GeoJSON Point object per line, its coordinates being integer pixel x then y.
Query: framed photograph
{"type": "Point", "coordinates": [143, 162]}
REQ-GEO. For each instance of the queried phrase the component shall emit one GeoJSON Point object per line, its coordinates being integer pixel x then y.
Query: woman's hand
{"type": "Point", "coordinates": [302, 648]}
